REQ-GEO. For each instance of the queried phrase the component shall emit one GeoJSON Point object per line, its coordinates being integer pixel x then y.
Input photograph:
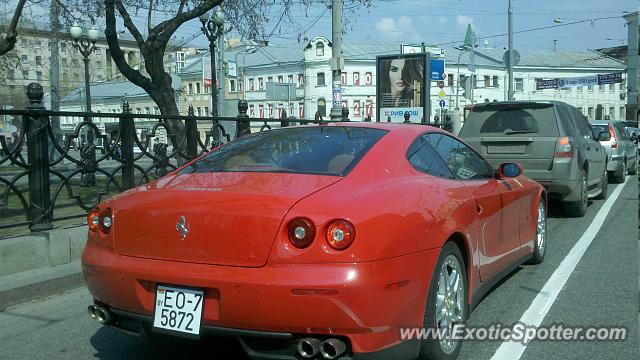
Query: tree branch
{"type": "Point", "coordinates": [149, 15]}
{"type": "Point", "coordinates": [9, 41]}
{"type": "Point", "coordinates": [165, 29]}
{"type": "Point", "coordinates": [128, 23]}
{"type": "Point", "coordinates": [117, 55]}
{"type": "Point", "coordinates": [181, 8]}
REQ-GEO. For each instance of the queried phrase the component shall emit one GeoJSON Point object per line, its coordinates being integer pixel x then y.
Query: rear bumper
{"type": "Point", "coordinates": [615, 163]}
{"type": "Point", "coordinates": [367, 306]}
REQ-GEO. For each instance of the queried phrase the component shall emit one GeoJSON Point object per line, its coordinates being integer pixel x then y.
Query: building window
{"type": "Point", "coordinates": [300, 80]}
{"type": "Point", "coordinates": [23, 42]}
{"type": "Point", "coordinates": [198, 89]}
{"type": "Point", "coordinates": [190, 89]}
{"type": "Point", "coordinates": [98, 51]}
{"type": "Point", "coordinates": [11, 75]}
{"type": "Point", "coordinates": [495, 81]}
{"type": "Point", "coordinates": [270, 79]}
{"type": "Point", "coordinates": [623, 113]}
{"type": "Point", "coordinates": [590, 88]}
{"type": "Point", "coordinates": [319, 49]}
{"type": "Point", "coordinates": [37, 44]}
{"type": "Point", "coordinates": [138, 111]}
{"type": "Point", "coordinates": [24, 59]}
{"type": "Point", "coordinates": [198, 111]}
{"type": "Point", "coordinates": [25, 74]}
{"type": "Point", "coordinates": [232, 85]}
{"type": "Point", "coordinates": [100, 78]}
{"type": "Point", "coordinates": [612, 113]}
{"type": "Point", "coordinates": [474, 79]}
{"type": "Point", "coordinates": [38, 60]}
{"type": "Point", "coordinates": [579, 88]}
{"type": "Point", "coordinates": [99, 64]}
{"type": "Point", "coordinates": [251, 85]}
{"type": "Point", "coordinates": [343, 78]}
{"type": "Point", "coordinates": [622, 85]}
{"type": "Point", "coordinates": [239, 85]}
{"type": "Point", "coordinates": [611, 88]}
{"type": "Point", "coordinates": [280, 78]}
{"type": "Point", "coordinates": [590, 112]}
{"type": "Point", "coordinates": [39, 75]}
{"type": "Point", "coordinates": [206, 111]}
{"type": "Point", "coordinates": [260, 84]}
{"type": "Point", "coordinates": [290, 79]}
{"type": "Point", "coordinates": [519, 84]}
{"type": "Point", "coordinates": [368, 78]}
{"type": "Point", "coordinates": [601, 88]}
{"type": "Point", "coordinates": [147, 110]}
{"type": "Point", "coordinates": [356, 78]}
{"type": "Point", "coordinates": [156, 110]}
{"type": "Point", "coordinates": [320, 79]}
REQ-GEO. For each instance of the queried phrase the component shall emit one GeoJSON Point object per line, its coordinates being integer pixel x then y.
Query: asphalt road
{"type": "Point", "coordinates": [602, 290]}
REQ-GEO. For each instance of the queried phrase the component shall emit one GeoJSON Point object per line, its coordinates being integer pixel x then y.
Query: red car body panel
{"type": "Point", "coordinates": [238, 250]}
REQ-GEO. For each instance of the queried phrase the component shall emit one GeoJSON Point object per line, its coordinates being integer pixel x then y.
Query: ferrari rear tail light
{"type": "Point", "coordinates": [93, 219]}
{"type": "Point", "coordinates": [106, 220]}
{"type": "Point", "coordinates": [564, 147]}
{"type": "Point", "coordinates": [301, 232]}
{"type": "Point", "coordinates": [614, 141]}
{"type": "Point", "coordinates": [340, 234]}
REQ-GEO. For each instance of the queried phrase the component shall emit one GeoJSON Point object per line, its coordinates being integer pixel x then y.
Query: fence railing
{"type": "Point", "coordinates": [48, 174]}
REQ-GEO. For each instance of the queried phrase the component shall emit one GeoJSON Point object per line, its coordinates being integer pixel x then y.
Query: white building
{"type": "Point", "coordinates": [308, 67]}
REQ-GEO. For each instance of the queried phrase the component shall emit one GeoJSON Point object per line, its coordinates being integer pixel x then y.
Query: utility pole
{"type": "Point", "coordinates": [510, 56]}
{"type": "Point", "coordinates": [632, 66]}
{"type": "Point", "coordinates": [221, 73]}
{"type": "Point", "coordinates": [54, 76]}
{"type": "Point", "coordinates": [337, 62]}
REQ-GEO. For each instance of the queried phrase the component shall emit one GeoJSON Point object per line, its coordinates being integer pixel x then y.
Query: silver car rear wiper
{"type": "Point", "coordinates": [511, 132]}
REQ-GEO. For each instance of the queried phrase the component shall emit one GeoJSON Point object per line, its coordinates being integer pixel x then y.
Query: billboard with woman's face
{"type": "Point", "coordinates": [401, 87]}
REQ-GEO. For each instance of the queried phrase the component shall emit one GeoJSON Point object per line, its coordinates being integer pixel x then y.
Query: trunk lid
{"type": "Point", "coordinates": [231, 218]}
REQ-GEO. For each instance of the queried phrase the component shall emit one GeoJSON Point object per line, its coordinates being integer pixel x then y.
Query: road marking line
{"type": "Point", "coordinates": [542, 303]}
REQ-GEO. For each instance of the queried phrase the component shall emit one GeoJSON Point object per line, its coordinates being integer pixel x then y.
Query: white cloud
{"type": "Point", "coordinates": [401, 27]}
{"type": "Point", "coordinates": [462, 21]}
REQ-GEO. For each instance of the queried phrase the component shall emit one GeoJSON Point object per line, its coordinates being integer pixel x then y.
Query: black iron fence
{"type": "Point", "coordinates": [48, 174]}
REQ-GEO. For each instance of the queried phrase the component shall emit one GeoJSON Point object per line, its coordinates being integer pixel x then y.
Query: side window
{"type": "Point", "coordinates": [462, 161]}
{"type": "Point", "coordinates": [623, 132]}
{"type": "Point", "coordinates": [583, 125]}
{"type": "Point", "coordinates": [425, 159]}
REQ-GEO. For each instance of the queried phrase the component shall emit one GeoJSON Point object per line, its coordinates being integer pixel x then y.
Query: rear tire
{"type": "Point", "coordinates": [619, 176]}
{"type": "Point", "coordinates": [579, 208]}
{"type": "Point", "coordinates": [446, 303]}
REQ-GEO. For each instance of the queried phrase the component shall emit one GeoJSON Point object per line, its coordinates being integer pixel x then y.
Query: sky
{"type": "Point", "coordinates": [444, 22]}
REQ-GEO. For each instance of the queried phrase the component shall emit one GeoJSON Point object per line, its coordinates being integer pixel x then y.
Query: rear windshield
{"type": "Point", "coordinates": [324, 150]}
{"type": "Point", "coordinates": [511, 121]}
{"type": "Point", "coordinates": [597, 129]}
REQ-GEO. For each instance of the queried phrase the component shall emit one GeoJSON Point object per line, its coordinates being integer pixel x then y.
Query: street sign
{"type": "Point", "coordinates": [511, 56]}
{"type": "Point", "coordinates": [434, 51]}
{"type": "Point", "coordinates": [410, 49]}
{"type": "Point", "coordinates": [441, 84]}
{"type": "Point", "coordinates": [442, 103]}
{"type": "Point", "coordinates": [442, 94]}
{"type": "Point", "coordinates": [437, 69]}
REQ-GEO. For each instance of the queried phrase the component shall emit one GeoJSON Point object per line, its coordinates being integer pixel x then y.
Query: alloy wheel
{"type": "Point", "coordinates": [450, 302]}
{"type": "Point", "coordinates": [541, 229]}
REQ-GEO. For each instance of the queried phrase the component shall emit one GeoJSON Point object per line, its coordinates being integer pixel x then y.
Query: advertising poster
{"type": "Point", "coordinates": [402, 87]}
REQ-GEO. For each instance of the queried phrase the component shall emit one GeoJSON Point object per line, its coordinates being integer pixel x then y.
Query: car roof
{"type": "Point", "coordinates": [407, 129]}
{"type": "Point", "coordinates": [489, 105]}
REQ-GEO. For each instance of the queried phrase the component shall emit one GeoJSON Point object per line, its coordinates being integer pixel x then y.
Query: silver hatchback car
{"type": "Point", "coordinates": [621, 149]}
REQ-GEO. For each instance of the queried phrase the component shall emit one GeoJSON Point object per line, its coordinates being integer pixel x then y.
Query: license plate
{"type": "Point", "coordinates": [506, 149]}
{"type": "Point", "coordinates": [178, 310]}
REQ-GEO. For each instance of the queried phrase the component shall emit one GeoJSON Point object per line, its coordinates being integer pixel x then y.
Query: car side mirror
{"type": "Point", "coordinates": [604, 136]}
{"type": "Point", "coordinates": [509, 170]}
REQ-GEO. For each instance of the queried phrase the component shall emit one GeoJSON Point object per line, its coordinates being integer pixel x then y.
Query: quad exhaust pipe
{"type": "Point", "coordinates": [330, 349]}
{"type": "Point", "coordinates": [99, 313]}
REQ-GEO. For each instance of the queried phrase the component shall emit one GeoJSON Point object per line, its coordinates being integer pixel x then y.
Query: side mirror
{"type": "Point", "coordinates": [509, 170]}
{"type": "Point", "coordinates": [604, 136]}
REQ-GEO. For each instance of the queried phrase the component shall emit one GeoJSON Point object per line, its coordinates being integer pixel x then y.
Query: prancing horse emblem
{"type": "Point", "coordinates": [182, 227]}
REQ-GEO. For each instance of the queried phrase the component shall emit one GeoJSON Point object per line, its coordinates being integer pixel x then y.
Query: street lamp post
{"type": "Point", "coordinates": [86, 45]}
{"type": "Point", "coordinates": [212, 27]}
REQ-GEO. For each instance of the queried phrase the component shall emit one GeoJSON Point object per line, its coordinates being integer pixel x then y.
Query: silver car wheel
{"type": "Point", "coordinates": [450, 302]}
{"type": "Point", "coordinates": [541, 229]}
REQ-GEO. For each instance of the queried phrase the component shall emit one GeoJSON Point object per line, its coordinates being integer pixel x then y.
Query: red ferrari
{"type": "Point", "coordinates": [316, 242]}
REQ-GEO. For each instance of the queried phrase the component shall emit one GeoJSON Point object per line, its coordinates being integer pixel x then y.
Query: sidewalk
{"type": "Point", "coordinates": [41, 264]}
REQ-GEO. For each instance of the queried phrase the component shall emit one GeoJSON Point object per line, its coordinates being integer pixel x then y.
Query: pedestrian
{"type": "Point", "coordinates": [318, 116]}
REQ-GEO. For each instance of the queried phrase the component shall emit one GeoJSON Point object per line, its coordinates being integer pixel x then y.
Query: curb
{"type": "Point", "coordinates": [39, 283]}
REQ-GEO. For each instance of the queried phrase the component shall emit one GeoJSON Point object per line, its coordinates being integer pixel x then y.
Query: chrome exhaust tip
{"type": "Point", "coordinates": [308, 347]}
{"type": "Point", "coordinates": [92, 312]}
{"type": "Point", "coordinates": [103, 316]}
{"type": "Point", "coordinates": [332, 348]}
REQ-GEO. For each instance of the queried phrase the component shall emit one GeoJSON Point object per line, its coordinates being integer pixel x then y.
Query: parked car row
{"type": "Point", "coordinates": [556, 145]}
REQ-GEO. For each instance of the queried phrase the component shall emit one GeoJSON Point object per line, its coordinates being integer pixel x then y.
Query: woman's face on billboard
{"type": "Point", "coordinates": [395, 76]}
